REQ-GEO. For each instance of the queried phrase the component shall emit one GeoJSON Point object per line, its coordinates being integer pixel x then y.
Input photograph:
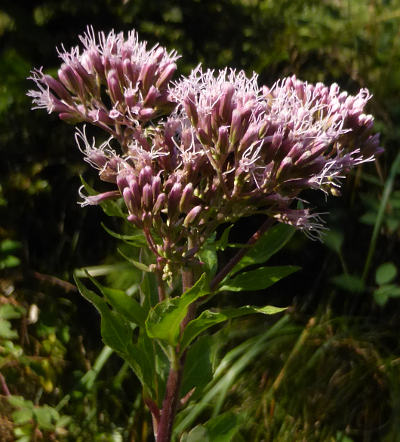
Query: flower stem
{"type": "Point", "coordinates": [240, 254]}
{"type": "Point", "coordinates": [171, 398]}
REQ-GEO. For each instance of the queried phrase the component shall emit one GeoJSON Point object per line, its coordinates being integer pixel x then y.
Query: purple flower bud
{"type": "Point", "coordinates": [131, 71]}
{"type": "Point", "coordinates": [70, 79]}
{"type": "Point", "coordinates": [186, 199]}
{"type": "Point", "coordinates": [57, 87]}
{"type": "Point", "coordinates": [156, 186]}
{"type": "Point", "coordinates": [203, 137]}
{"type": "Point", "coordinates": [158, 54]}
{"type": "Point", "coordinates": [134, 186]}
{"type": "Point", "coordinates": [160, 203]}
{"type": "Point", "coordinates": [191, 110]}
{"type": "Point", "coordinates": [147, 113]}
{"type": "Point", "coordinates": [223, 140]}
{"type": "Point", "coordinates": [192, 216]}
{"type": "Point", "coordinates": [94, 200]}
{"type": "Point", "coordinates": [166, 76]}
{"type": "Point", "coordinates": [236, 126]}
{"type": "Point", "coordinates": [100, 115]}
{"type": "Point", "coordinates": [146, 76]}
{"type": "Point", "coordinates": [97, 158]}
{"type": "Point", "coordinates": [225, 105]}
{"type": "Point", "coordinates": [96, 63]}
{"type": "Point", "coordinates": [129, 201]}
{"type": "Point", "coordinates": [145, 176]}
{"type": "Point", "coordinates": [114, 86]}
{"type": "Point", "coordinates": [174, 197]}
{"type": "Point", "coordinates": [249, 137]}
{"type": "Point", "coordinates": [130, 98]}
{"type": "Point", "coordinates": [122, 182]}
{"type": "Point", "coordinates": [147, 197]}
{"type": "Point", "coordinates": [151, 97]}
{"type": "Point", "coordinates": [286, 163]}
{"type": "Point", "coordinates": [134, 219]}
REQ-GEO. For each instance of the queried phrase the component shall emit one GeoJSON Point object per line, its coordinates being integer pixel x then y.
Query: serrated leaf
{"type": "Point", "coordinates": [350, 283]}
{"type": "Point", "coordinates": [269, 244]}
{"type": "Point", "coordinates": [257, 279]}
{"type": "Point", "coordinates": [137, 264]}
{"type": "Point", "coordinates": [208, 319]}
{"type": "Point", "coordinates": [385, 273]}
{"type": "Point", "coordinates": [163, 321]}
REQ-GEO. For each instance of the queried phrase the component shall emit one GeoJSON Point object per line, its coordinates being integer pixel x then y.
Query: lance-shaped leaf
{"type": "Point", "coordinates": [269, 244]}
{"type": "Point", "coordinates": [137, 264]}
{"type": "Point", "coordinates": [163, 321]}
{"type": "Point", "coordinates": [257, 279]}
{"type": "Point", "coordinates": [208, 319]}
{"type": "Point", "coordinates": [117, 334]}
{"type": "Point", "coordinates": [136, 239]}
{"type": "Point", "coordinates": [123, 304]}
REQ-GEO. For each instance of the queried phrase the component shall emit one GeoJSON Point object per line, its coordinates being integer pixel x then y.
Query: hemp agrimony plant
{"type": "Point", "coordinates": [183, 158]}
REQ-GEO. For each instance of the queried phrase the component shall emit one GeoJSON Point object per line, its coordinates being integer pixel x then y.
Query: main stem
{"type": "Point", "coordinates": [171, 398]}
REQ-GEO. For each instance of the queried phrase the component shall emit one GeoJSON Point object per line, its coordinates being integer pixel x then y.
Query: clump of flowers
{"type": "Point", "coordinates": [188, 155]}
{"type": "Point", "coordinates": [225, 149]}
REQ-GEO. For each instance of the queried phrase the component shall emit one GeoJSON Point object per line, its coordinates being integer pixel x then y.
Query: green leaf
{"type": "Point", "coordinates": [163, 321]}
{"type": "Point", "coordinates": [9, 311]}
{"type": "Point", "coordinates": [388, 291]}
{"type": "Point", "coordinates": [6, 331]}
{"type": "Point", "coordinates": [137, 239]}
{"type": "Point", "coordinates": [350, 283]}
{"type": "Point", "coordinates": [22, 416]}
{"type": "Point", "coordinates": [208, 319]}
{"type": "Point", "coordinates": [269, 244]}
{"type": "Point", "coordinates": [117, 334]}
{"type": "Point", "coordinates": [125, 305]}
{"type": "Point", "coordinates": [198, 434]}
{"type": "Point", "coordinates": [258, 279]}
{"type": "Point", "coordinates": [137, 264]}
{"type": "Point", "coordinates": [115, 331]}
{"type": "Point", "coordinates": [223, 242]}
{"type": "Point", "coordinates": [9, 246]}
{"type": "Point", "coordinates": [198, 369]}
{"type": "Point", "coordinates": [223, 428]}
{"type": "Point", "coordinates": [44, 417]}
{"type": "Point", "coordinates": [9, 261]}
{"type": "Point", "coordinates": [19, 402]}
{"type": "Point", "coordinates": [385, 273]}
{"type": "Point", "coordinates": [208, 255]}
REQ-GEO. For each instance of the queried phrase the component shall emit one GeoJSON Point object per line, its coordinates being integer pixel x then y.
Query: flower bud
{"type": "Point", "coordinates": [146, 76]}
{"type": "Point", "coordinates": [131, 71]}
{"type": "Point", "coordinates": [160, 203]}
{"type": "Point", "coordinates": [191, 110]}
{"type": "Point", "coordinates": [114, 86]}
{"type": "Point", "coordinates": [166, 76]}
{"type": "Point", "coordinates": [186, 198]}
{"type": "Point", "coordinates": [134, 219]}
{"type": "Point", "coordinates": [58, 88]}
{"type": "Point", "coordinates": [156, 187]}
{"type": "Point", "coordinates": [147, 113]}
{"type": "Point", "coordinates": [134, 186]}
{"type": "Point", "coordinates": [223, 140]}
{"type": "Point", "coordinates": [174, 197]}
{"type": "Point", "coordinates": [70, 79]}
{"type": "Point", "coordinates": [129, 200]}
{"type": "Point", "coordinates": [147, 197]}
{"type": "Point", "coordinates": [151, 97]}
{"type": "Point", "coordinates": [145, 176]}
{"type": "Point", "coordinates": [225, 105]}
{"type": "Point", "coordinates": [192, 215]}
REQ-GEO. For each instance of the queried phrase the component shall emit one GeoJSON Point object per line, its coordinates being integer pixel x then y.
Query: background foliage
{"type": "Point", "coordinates": [327, 370]}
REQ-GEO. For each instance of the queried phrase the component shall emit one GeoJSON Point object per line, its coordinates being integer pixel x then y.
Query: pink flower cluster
{"type": "Point", "coordinates": [209, 148]}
